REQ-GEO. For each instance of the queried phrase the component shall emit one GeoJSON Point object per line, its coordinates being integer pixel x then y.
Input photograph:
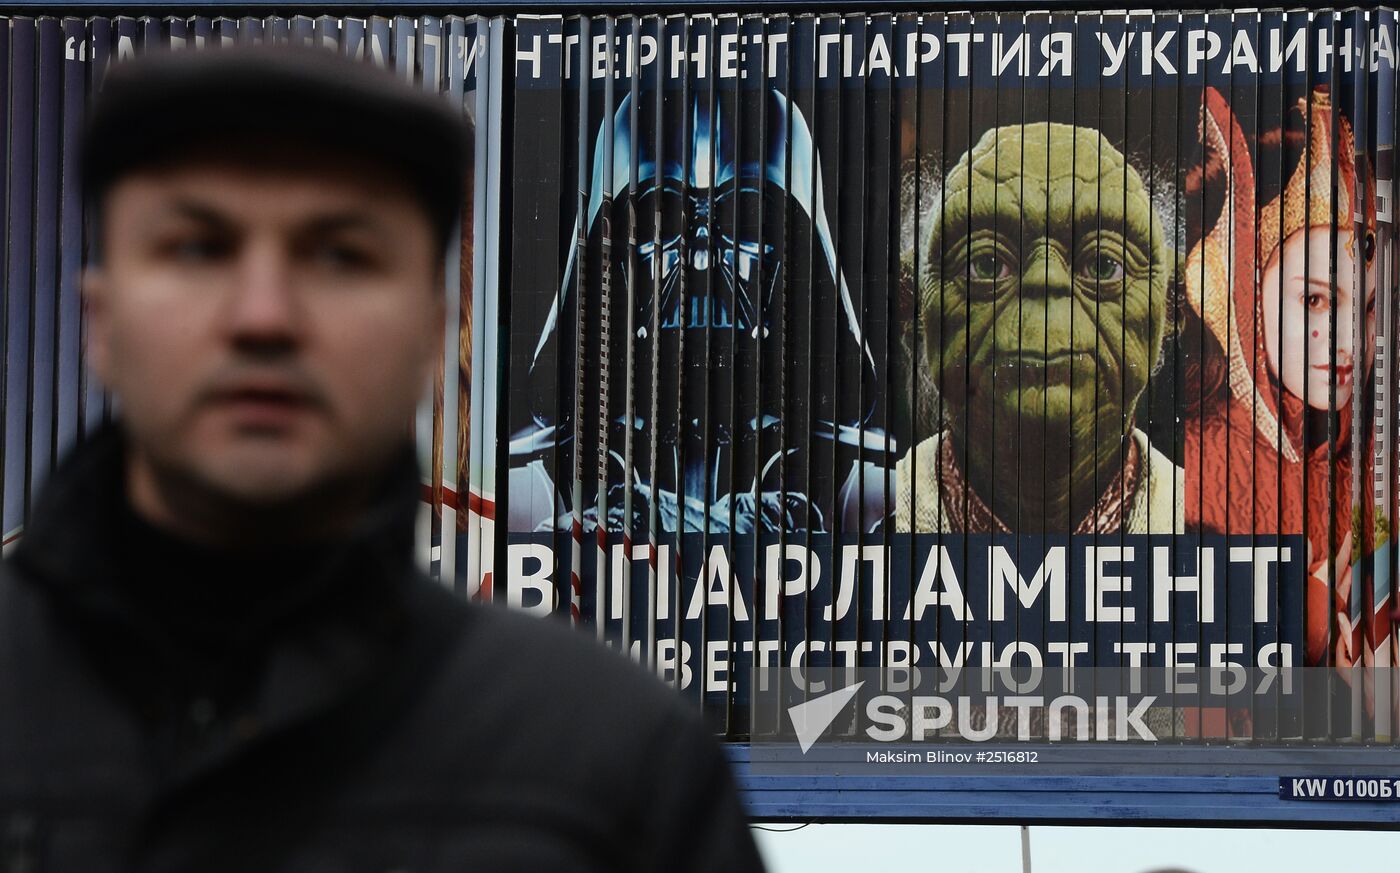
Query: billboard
{"type": "Point", "coordinates": [1044, 340]}
{"type": "Point", "coordinates": [805, 346]}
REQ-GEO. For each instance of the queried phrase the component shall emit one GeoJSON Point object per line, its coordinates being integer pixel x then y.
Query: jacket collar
{"type": "Point", "coordinates": [70, 543]}
{"type": "Point", "coordinates": [352, 607]}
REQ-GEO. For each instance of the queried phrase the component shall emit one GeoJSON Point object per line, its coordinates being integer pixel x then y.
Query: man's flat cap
{"type": "Point", "coordinates": [153, 108]}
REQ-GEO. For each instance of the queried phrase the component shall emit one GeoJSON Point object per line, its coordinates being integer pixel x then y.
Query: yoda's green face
{"type": "Point", "coordinates": [1046, 291]}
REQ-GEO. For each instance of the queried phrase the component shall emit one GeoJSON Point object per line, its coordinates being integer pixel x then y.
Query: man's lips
{"type": "Point", "coordinates": [262, 405]}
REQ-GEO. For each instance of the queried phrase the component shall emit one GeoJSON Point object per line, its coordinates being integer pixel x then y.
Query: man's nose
{"type": "Point", "coordinates": [263, 308]}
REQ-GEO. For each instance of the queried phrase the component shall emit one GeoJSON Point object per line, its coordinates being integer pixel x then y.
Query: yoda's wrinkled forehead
{"type": "Point", "coordinates": [1055, 180]}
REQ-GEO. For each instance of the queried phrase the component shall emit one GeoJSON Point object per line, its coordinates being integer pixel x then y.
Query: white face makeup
{"type": "Point", "coordinates": [1298, 299]}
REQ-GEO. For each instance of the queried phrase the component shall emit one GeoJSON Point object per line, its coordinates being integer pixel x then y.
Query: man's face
{"type": "Point", "coordinates": [267, 322]}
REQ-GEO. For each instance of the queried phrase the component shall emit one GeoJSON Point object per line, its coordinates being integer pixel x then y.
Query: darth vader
{"type": "Point", "coordinates": [699, 241]}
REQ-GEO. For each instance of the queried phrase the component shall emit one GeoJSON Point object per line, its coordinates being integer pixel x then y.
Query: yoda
{"type": "Point", "coordinates": [1043, 312]}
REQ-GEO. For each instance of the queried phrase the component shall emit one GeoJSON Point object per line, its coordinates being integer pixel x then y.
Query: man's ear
{"type": "Point", "coordinates": [98, 328]}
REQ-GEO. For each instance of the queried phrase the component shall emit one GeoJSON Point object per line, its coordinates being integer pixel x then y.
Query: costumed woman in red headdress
{"type": "Point", "coordinates": [1262, 290]}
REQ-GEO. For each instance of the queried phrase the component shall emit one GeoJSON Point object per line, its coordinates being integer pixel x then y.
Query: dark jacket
{"type": "Point", "coordinates": [357, 718]}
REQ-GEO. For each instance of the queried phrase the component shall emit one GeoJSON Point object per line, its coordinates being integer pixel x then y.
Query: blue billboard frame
{"type": "Point", "coordinates": [1197, 801]}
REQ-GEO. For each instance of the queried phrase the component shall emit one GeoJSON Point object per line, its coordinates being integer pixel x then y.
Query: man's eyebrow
{"type": "Point", "coordinates": [197, 211]}
{"type": "Point", "coordinates": [341, 221]}
{"type": "Point", "coordinates": [329, 222]}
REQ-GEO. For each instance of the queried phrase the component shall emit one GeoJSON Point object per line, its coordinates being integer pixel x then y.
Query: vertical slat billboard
{"type": "Point", "coordinates": [787, 348]}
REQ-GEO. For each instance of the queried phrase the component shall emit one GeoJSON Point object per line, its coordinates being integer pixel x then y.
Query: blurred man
{"type": "Point", "coordinates": [217, 654]}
